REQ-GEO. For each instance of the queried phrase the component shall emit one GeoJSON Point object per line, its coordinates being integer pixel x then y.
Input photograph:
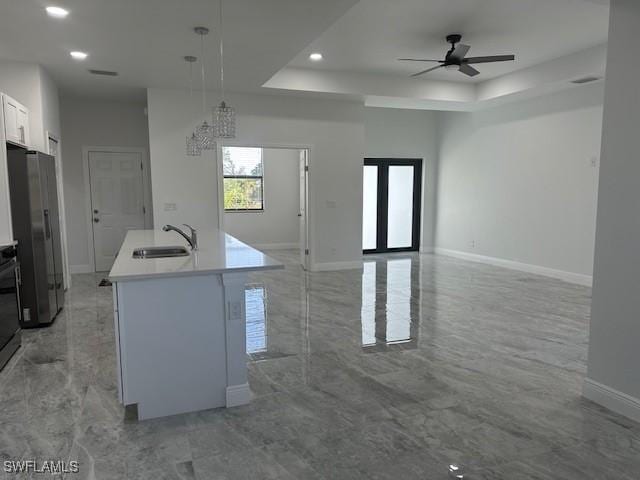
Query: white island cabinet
{"type": "Point", "coordinates": [180, 322]}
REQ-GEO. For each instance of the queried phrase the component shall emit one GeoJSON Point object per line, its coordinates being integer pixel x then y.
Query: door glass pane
{"type": "Point", "coordinates": [400, 224]}
{"type": "Point", "coordinates": [369, 207]}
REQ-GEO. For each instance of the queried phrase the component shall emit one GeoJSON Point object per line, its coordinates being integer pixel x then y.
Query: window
{"type": "Point", "coordinates": [242, 168]}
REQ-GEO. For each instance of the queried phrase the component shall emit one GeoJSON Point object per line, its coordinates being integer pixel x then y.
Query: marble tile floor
{"type": "Point", "coordinates": [389, 373]}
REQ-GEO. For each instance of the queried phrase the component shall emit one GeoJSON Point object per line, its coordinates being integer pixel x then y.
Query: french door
{"type": "Point", "coordinates": [391, 203]}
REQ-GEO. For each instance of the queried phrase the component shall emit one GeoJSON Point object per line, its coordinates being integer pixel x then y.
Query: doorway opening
{"type": "Point", "coordinates": [391, 205]}
{"type": "Point", "coordinates": [264, 199]}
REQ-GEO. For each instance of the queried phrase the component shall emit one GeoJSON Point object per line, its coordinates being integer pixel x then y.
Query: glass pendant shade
{"type": "Point", "coordinates": [204, 134]}
{"type": "Point", "coordinates": [194, 148]}
{"type": "Point", "coordinates": [224, 121]}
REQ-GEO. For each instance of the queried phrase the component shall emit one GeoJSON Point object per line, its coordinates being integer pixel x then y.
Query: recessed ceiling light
{"type": "Point", "coordinates": [316, 57]}
{"type": "Point", "coordinates": [57, 12]}
{"type": "Point", "coordinates": [78, 55]}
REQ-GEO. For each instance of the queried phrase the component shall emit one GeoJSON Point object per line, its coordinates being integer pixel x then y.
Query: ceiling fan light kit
{"type": "Point", "coordinates": [456, 58]}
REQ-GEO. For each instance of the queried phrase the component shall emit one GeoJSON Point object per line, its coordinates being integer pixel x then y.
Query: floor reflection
{"type": "Point", "coordinates": [256, 319]}
{"type": "Point", "coordinates": [494, 382]}
{"type": "Point", "coordinates": [389, 303]}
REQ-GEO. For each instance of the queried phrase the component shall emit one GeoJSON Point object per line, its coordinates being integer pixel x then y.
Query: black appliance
{"type": "Point", "coordinates": [10, 336]}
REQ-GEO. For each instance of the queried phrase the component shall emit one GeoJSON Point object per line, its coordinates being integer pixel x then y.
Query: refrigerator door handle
{"type": "Point", "coordinates": [47, 224]}
{"type": "Point", "coordinates": [18, 286]}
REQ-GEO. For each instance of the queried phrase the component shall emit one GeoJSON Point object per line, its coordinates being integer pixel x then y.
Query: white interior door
{"type": "Point", "coordinates": [304, 201]}
{"type": "Point", "coordinates": [117, 201]}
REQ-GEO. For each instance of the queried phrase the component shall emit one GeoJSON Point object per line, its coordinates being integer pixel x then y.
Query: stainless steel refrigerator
{"type": "Point", "coordinates": [36, 227]}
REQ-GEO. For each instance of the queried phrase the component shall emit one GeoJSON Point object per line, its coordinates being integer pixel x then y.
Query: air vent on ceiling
{"type": "Point", "coordinates": [589, 79]}
{"type": "Point", "coordinates": [106, 73]}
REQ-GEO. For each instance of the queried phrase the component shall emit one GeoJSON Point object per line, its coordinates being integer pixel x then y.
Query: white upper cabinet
{"type": "Point", "coordinates": [16, 121]}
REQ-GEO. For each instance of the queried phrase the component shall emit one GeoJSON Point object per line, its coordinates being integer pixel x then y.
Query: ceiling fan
{"type": "Point", "coordinates": [455, 58]}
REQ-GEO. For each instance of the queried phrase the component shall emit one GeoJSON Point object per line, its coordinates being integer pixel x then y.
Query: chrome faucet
{"type": "Point", "coordinates": [192, 239]}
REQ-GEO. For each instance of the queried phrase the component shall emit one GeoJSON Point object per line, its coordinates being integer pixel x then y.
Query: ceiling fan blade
{"type": "Point", "coordinates": [468, 70]}
{"type": "Point", "coordinates": [427, 71]}
{"type": "Point", "coordinates": [459, 51]}
{"type": "Point", "coordinates": [419, 60]}
{"type": "Point", "coordinates": [494, 58]}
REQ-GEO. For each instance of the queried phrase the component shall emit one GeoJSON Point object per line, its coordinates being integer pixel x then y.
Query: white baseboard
{"type": "Point", "coordinates": [238, 395]}
{"type": "Point", "coordinates": [612, 399]}
{"type": "Point", "coordinates": [426, 249]}
{"type": "Point", "coordinates": [275, 246]}
{"type": "Point", "coordinates": [333, 266]}
{"type": "Point", "coordinates": [570, 277]}
{"type": "Point", "coordinates": [80, 269]}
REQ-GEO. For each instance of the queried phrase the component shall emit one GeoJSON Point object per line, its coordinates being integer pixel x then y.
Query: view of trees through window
{"type": "Point", "coordinates": [243, 178]}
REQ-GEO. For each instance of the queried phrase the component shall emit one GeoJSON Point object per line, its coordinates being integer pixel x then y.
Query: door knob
{"type": "Point", "coordinates": [299, 214]}
{"type": "Point", "coordinates": [96, 220]}
{"type": "Point", "coordinates": [95, 211]}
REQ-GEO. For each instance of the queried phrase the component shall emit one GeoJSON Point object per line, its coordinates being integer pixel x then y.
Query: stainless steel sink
{"type": "Point", "coordinates": [160, 252]}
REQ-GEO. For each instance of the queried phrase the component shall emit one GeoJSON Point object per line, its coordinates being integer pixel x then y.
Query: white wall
{"type": "Point", "coordinates": [517, 182]}
{"type": "Point", "coordinates": [334, 131]}
{"type": "Point", "coordinates": [278, 226]}
{"type": "Point", "coordinates": [392, 133]}
{"type": "Point", "coordinates": [92, 123]}
{"type": "Point", "coordinates": [614, 356]}
{"type": "Point", "coordinates": [22, 82]}
{"type": "Point", "coordinates": [50, 101]}
{"type": "Point", "coordinates": [32, 86]}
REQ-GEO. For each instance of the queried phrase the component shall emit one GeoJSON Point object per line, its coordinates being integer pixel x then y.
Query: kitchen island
{"type": "Point", "coordinates": [180, 322]}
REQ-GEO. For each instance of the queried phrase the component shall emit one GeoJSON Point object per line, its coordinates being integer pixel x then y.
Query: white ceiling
{"type": "Point", "coordinates": [374, 33]}
{"type": "Point", "coordinates": [145, 40]}
{"type": "Point", "coordinates": [267, 43]}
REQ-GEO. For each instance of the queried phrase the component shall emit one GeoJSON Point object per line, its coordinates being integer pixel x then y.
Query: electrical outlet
{"type": "Point", "coordinates": [472, 244]}
{"type": "Point", "coordinates": [170, 207]}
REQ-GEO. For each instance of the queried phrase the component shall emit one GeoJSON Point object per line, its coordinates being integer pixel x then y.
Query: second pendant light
{"type": "Point", "coordinates": [224, 116]}
{"type": "Point", "coordinates": [204, 132]}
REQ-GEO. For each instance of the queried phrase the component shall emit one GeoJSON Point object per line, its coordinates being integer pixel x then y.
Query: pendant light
{"type": "Point", "coordinates": [193, 145]}
{"type": "Point", "coordinates": [224, 116]}
{"type": "Point", "coordinates": [204, 131]}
